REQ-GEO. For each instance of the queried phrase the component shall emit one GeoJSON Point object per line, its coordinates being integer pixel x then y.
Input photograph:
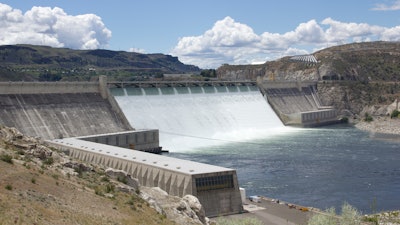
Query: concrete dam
{"type": "Point", "coordinates": [298, 103]}
{"type": "Point", "coordinates": [92, 122]}
{"type": "Point", "coordinates": [64, 109]}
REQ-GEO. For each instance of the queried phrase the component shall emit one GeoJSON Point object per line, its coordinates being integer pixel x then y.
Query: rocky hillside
{"type": "Point", "coordinates": [42, 63]}
{"type": "Point", "coordinates": [41, 185]}
{"type": "Point", "coordinates": [351, 77]}
{"type": "Point", "coordinates": [369, 61]}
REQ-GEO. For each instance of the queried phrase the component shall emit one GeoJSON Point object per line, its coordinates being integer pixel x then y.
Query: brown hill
{"type": "Point", "coordinates": [43, 63]}
{"type": "Point", "coordinates": [351, 77]}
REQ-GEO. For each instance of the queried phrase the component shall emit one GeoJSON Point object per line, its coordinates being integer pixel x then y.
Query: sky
{"type": "Point", "coordinates": [205, 33]}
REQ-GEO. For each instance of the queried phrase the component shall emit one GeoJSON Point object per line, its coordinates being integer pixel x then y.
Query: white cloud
{"type": "Point", "coordinates": [52, 27]}
{"type": "Point", "coordinates": [137, 50]}
{"type": "Point", "coordinates": [384, 7]}
{"type": "Point", "coordinates": [232, 42]}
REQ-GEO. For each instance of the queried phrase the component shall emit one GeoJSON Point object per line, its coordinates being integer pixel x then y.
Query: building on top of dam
{"type": "Point", "coordinates": [216, 187]}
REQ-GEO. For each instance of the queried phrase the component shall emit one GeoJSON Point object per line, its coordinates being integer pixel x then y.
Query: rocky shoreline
{"type": "Point", "coordinates": [381, 127]}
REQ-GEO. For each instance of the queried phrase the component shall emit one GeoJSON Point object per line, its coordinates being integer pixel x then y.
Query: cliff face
{"type": "Point", "coordinates": [351, 77]}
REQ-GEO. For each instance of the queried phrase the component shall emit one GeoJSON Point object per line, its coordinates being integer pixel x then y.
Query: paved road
{"type": "Point", "coordinates": [271, 213]}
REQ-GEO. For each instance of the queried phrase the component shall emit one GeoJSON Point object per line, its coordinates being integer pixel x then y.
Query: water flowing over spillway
{"type": "Point", "coordinates": [234, 127]}
{"type": "Point", "coordinates": [192, 117]}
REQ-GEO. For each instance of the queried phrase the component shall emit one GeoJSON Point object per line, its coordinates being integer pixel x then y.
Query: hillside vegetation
{"type": "Point", "coordinates": [40, 185]}
{"type": "Point", "coordinates": [42, 63]}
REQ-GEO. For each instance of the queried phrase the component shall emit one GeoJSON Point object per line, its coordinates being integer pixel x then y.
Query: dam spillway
{"type": "Point", "coordinates": [192, 117]}
{"type": "Point", "coordinates": [69, 109]}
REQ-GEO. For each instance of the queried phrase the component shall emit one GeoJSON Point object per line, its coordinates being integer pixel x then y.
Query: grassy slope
{"type": "Point", "coordinates": [43, 195]}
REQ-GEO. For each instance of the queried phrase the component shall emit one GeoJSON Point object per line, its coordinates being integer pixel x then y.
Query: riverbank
{"type": "Point", "coordinates": [381, 127]}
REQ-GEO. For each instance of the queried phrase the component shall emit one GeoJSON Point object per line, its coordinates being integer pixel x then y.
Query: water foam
{"type": "Point", "coordinates": [190, 118]}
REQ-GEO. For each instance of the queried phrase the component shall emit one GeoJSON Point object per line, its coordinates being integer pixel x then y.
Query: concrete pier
{"type": "Point", "coordinates": [142, 140]}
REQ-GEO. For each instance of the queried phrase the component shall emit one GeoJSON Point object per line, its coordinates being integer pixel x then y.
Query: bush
{"type": "Point", "coordinates": [349, 216]}
{"type": "Point", "coordinates": [49, 161]}
{"type": "Point", "coordinates": [98, 191]}
{"type": "Point", "coordinates": [122, 179]}
{"type": "Point", "coordinates": [9, 187]}
{"type": "Point", "coordinates": [105, 179]}
{"type": "Point", "coordinates": [110, 188]}
{"type": "Point", "coordinates": [395, 114]}
{"type": "Point", "coordinates": [372, 220]}
{"type": "Point", "coordinates": [368, 118]}
{"type": "Point", "coordinates": [326, 218]}
{"type": "Point", "coordinates": [344, 120]}
{"type": "Point", "coordinates": [6, 158]}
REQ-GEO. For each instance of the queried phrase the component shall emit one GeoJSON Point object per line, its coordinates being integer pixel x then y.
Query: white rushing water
{"type": "Point", "coordinates": [194, 117]}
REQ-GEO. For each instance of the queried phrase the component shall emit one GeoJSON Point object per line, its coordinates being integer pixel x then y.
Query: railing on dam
{"type": "Point", "coordinates": [186, 83]}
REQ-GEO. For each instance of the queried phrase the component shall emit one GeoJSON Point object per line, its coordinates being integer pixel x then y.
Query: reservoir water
{"type": "Point", "coordinates": [235, 128]}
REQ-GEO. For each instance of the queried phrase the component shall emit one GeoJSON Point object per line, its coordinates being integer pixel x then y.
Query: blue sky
{"type": "Point", "coordinates": [204, 33]}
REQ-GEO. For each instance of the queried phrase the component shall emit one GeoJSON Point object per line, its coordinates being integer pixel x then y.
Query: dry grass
{"type": "Point", "coordinates": [54, 198]}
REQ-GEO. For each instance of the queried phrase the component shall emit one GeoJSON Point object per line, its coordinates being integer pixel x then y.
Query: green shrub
{"type": "Point", "coordinates": [9, 187]}
{"type": "Point", "coordinates": [326, 218]}
{"type": "Point", "coordinates": [122, 179]}
{"type": "Point", "coordinates": [48, 161]}
{"type": "Point", "coordinates": [368, 118]}
{"type": "Point", "coordinates": [6, 158]}
{"type": "Point", "coordinates": [55, 176]}
{"type": "Point", "coordinates": [349, 216]}
{"type": "Point", "coordinates": [105, 179]}
{"type": "Point", "coordinates": [33, 180]}
{"type": "Point", "coordinates": [372, 219]}
{"type": "Point", "coordinates": [110, 188]}
{"type": "Point", "coordinates": [344, 120]}
{"type": "Point", "coordinates": [98, 191]}
{"type": "Point", "coordinates": [395, 114]}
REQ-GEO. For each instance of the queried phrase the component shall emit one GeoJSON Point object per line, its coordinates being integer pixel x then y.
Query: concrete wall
{"type": "Point", "coordinates": [298, 103]}
{"type": "Point", "coordinates": [59, 115]}
{"type": "Point", "coordinates": [158, 172]}
{"type": "Point", "coordinates": [48, 87]}
{"type": "Point", "coordinates": [60, 109]}
{"type": "Point", "coordinates": [146, 140]}
{"type": "Point", "coordinates": [313, 118]}
{"type": "Point", "coordinates": [174, 183]}
{"type": "Point", "coordinates": [228, 201]}
{"type": "Point", "coordinates": [321, 116]}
